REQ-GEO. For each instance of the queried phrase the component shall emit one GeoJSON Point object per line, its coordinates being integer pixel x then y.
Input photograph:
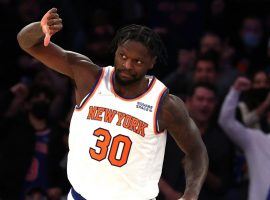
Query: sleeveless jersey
{"type": "Point", "coordinates": [115, 149]}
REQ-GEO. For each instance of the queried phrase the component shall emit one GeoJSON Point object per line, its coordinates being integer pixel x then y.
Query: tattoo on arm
{"type": "Point", "coordinates": [175, 118]}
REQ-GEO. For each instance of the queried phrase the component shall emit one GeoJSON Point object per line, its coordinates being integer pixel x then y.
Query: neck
{"type": "Point", "coordinates": [202, 126]}
{"type": "Point", "coordinates": [131, 90]}
{"type": "Point", "coordinates": [38, 124]}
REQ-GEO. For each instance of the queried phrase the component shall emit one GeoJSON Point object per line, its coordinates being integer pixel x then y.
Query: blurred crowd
{"type": "Point", "coordinates": [210, 44]}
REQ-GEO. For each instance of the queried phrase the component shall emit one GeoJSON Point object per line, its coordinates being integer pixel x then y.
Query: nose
{"type": "Point", "coordinates": [127, 64]}
{"type": "Point", "coordinates": [204, 103]}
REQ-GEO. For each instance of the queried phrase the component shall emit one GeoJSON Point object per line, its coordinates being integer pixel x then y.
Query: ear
{"type": "Point", "coordinates": [153, 61]}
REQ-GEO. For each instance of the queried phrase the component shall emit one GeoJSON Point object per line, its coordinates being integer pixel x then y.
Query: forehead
{"type": "Point", "coordinates": [260, 75]}
{"type": "Point", "coordinates": [204, 64]}
{"type": "Point", "coordinates": [252, 24]}
{"type": "Point", "coordinates": [134, 48]}
{"type": "Point", "coordinates": [204, 92]}
{"type": "Point", "coordinates": [210, 39]}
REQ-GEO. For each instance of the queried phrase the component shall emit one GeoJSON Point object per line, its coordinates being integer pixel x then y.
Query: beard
{"type": "Point", "coordinates": [125, 81]}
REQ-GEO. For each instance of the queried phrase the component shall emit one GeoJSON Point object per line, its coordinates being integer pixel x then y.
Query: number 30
{"type": "Point", "coordinates": [105, 145]}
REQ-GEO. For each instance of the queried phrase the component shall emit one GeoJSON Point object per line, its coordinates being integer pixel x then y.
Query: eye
{"type": "Point", "coordinates": [139, 62]}
{"type": "Point", "coordinates": [124, 57]}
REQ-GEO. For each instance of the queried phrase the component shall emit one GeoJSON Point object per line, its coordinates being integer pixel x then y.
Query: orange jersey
{"type": "Point", "coordinates": [115, 149]}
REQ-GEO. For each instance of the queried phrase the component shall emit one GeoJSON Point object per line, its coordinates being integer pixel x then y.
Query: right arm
{"type": "Point", "coordinates": [76, 66]}
{"type": "Point", "coordinates": [237, 132]}
{"type": "Point", "coordinates": [174, 117]}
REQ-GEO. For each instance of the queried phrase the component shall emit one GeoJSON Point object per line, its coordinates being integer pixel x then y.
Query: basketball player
{"type": "Point", "coordinates": [118, 128]}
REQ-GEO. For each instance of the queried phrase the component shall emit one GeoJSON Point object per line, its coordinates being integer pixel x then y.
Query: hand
{"type": "Point", "coordinates": [20, 91]}
{"type": "Point", "coordinates": [54, 193]}
{"type": "Point", "coordinates": [51, 23]}
{"type": "Point", "coordinates": [242, 84]}
{"type": "Point", "coordinates": [174, 195]}
{"type": "Point", "coordinates": [183, 198]}
{"type": "Point", "coordinates": [189, 196]}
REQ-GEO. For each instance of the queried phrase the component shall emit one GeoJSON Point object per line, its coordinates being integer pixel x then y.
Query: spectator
{"type": "Point", "coordinates": [251, 51]}
{"type": "Point", "coordinates": [223, 54]}
{"type": "Point", "coordinates": [179, 79]}
{"type": "Point", "coordinates": [33, 160]}
{"type": "Point", "coordinates": [256, 104]}
{"type": "Point", "coordinates": [254, 143]}
{"type": "Point", "coordinates": [201, 104]}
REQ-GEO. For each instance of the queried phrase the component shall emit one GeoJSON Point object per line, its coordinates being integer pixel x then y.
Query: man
{"type": "Point", "coordinates": [206, 69]}
{"type": "Point", "coordinates": [201, 104]}
{"type": "Point", "coordinates": [222, 53]}
{"type": "Point", "coordinates": [117, 132]}
{"type": "Point", "coordinates": [250, 48]}
{"type": "Point", "coordinates": [254, 143]}
{"type": "Point", "coordinates": [210, 41]}
{"type": "Point", "coordinates": [31, 146]}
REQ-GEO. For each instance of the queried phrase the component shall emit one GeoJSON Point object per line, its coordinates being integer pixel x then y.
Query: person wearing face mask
{"type": "Point", "coordinates": [251, 48]}
{"type": "Point", "coordinates": [252, 112]}
{"type": "Point", "coordinates": [256, 102]}
{"type": "Point", "coordinates": [253, 142]}
{"type": "Point", "coordinates": [31, 148]}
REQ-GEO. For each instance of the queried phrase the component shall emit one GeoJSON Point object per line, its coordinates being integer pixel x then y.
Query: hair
{"type": "Point", "coordinates": [211, 34]}
{"type": "Point", "coordinates": [252, 75]}
{"type": "Point", "coordinates": [35, 190]}
{"type": "Point", "coordinates": [144, 35]}
{"type": "Point", "coordinates": [208, 86]}
{"type": "Point", "coordinates": [210, 56]}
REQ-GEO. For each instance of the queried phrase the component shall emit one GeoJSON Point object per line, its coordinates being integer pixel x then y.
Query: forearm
{"type": "Point", "coordinates": [262, 108]}
{"type": "Point", "coordinates": [196, 167]}
{"type": "Point", "coordinates": [234, 129]}
{"type": "Point", "coordinates": [30, 35]}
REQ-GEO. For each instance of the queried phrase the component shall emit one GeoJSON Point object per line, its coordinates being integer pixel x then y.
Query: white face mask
{"type": "Point", "coordinates": [251, 39]}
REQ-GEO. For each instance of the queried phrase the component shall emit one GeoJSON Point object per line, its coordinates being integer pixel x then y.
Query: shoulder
{"type": "Point", "coordinates": [78, 60]}
{"type": "Point", "coordinates": [172, 110]}
{"type": "Point", "coordinates": [172, 103]}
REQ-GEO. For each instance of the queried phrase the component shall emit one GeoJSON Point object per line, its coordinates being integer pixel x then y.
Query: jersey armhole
{"type": "Point", "coordinates": [92, 90]}
{"type": "Point", "coordinates": [162, 95]}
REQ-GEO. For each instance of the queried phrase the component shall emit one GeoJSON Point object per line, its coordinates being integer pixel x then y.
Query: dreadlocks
{"type": "Point", "coordinates": [146, 36]}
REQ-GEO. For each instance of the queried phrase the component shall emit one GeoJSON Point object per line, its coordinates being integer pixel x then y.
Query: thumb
{"type": "Point", "coordinates": [47, 39]}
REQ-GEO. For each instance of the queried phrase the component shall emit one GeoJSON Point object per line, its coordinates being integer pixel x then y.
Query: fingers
{"type": "Point", "coordinates": [48, 14]}
{"type": "Point", "coordinates": [50, 23]}
{"type": "Point", "coordinates": [52, 16]}
{"type": "Point", "coordinates": [47, 39]}
{"type": "Point", "coordinates": [52, 11]}
{"type": "Point", "coordinates": [54, 21]}
{"type": "Point", "coordinates": [242, 83]}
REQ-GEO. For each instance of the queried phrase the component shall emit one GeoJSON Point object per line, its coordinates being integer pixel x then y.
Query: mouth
{"type": "Point", "coordinates": [125, 75]}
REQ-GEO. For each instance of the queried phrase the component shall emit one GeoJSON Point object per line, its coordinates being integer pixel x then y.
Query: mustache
{"type": "Point", "coordinates": [125, 71]}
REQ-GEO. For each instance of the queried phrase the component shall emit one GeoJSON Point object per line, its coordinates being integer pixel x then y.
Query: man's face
{"type": "Point", "coordinates": [205, 72]}
{"type": "Point", "coordinates": [260, 80]}
{"type": "Point", "coordinates": [210, 42]}
{"type": "Point", "coordinates": [201, 104]}
{"type": "Point", "coordinates": [132, 61]}
{"type": "Point", "coordinates": [251, 32]}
